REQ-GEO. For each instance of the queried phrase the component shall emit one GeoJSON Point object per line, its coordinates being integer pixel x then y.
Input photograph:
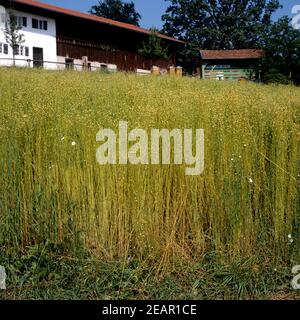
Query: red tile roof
{"type": "Point", "coordinates": [91, 17]}
{"type": "Point", "coordinates": [231, 54]}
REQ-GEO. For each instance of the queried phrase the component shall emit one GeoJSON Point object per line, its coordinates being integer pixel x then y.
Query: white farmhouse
{"type": "Point", "coordinates": [40, 40]}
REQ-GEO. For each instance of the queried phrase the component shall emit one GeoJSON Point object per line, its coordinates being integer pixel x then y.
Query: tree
{"type": "Point", "coordinates": [282, 46]}
{"type": "Point", "coordinates": [154, 48]}
{"type": "Point", "coordinates": [12, 34]}
{"type": "Point", "coordinates": [218, 24]}
{"type": "Point", "coordinates": [117, 10]}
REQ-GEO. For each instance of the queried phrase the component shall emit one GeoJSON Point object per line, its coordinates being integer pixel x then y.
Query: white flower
{"type": "Point", "coordinates": [62, 139]}
{"type": "Point", "coordinates": [73, 144]}
{"type": "Point", "coordinates": [232, 159]}
{"type": "Point", "coordinates": [245, 145]}
{"type": "Point", "coordinates": [275, 269]}
{"type": "Point", "coordinates": [290, 236]}
{"type": "Point", "coordinates": [250, 180]}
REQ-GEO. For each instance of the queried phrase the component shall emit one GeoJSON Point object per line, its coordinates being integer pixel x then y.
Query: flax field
{"type": "Point", "coordinates": [245, 205]}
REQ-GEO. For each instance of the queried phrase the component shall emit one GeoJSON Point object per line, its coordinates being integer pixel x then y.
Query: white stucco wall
{"type": "Point", "coordinates": [45, 39]}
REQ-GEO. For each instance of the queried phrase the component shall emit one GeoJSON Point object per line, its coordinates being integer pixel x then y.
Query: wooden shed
{"type": "Point", "coordinates": [230, 64]}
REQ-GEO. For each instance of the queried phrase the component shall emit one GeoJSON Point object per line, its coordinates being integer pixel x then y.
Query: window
{"type": "Point", "coordinates": [35, 23]}
{"type": "Point", "coordinates": [3, 48]}
{"type": "Point", "coordinates": [2, 18]}
{"type": "Point", "coordinates": [24, 22]}
{"type": "Point", "coordinates": [69, 63]}
{"type": "Point", "coordinates": [16, 50]}
{"type": "Point", "coordinates": [21, 51]}
{"type": "Point", "coordinates": [39, 24]}
{"type": "Point", "coordinates": [19, 21]}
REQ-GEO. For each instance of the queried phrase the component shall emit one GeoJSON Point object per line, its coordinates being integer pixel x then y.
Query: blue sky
{"type": "Point", "coordinates": [151, 10]}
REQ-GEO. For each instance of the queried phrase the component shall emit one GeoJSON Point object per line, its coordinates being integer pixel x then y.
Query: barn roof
{"type": "Point", "coordinates": [231, 54]}
{"type": "Point", "coordinates": [91, 17]}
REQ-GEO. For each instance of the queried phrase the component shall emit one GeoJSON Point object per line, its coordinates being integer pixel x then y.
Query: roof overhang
{"type": "Point", "coordinates": [242, 54]}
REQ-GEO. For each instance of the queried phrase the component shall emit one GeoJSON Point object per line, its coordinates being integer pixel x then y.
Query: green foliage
{"type": "Point", "coordinates": [49, 271]}
{"type": "Point", "coordinates": [274, 76]}
{"type": "Point", "coordinates": [154, 48]}
{"type": "Point", "coordinates": [117, 10]}
{"type": "Point", "coordinates": [218, 25]}
{"type": "Point", "coordinates": [236, 25]}
{"type": "Point", "coordinates": [282, 46]}
{"type": "Point", "coordinates": [12, 34]}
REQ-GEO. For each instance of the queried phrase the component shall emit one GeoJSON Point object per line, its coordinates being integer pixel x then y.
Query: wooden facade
{"type": "Point", "coordinates": [228, 70]}
{"type": "Point", "coordinates": [127, 60]}
{"type": "Point", "coordinates": [105, 43]}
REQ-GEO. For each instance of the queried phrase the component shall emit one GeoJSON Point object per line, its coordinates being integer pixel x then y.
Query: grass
{"type": "Point", "coordinates": [48, 271]}
{"type": "Point", "coordinates": [148, 229]}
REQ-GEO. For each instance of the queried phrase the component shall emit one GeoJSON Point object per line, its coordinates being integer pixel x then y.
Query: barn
{"type": "Point", "coordinates": [230, 64]}
{"type": "Point", "coordinates": [57, 38]}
